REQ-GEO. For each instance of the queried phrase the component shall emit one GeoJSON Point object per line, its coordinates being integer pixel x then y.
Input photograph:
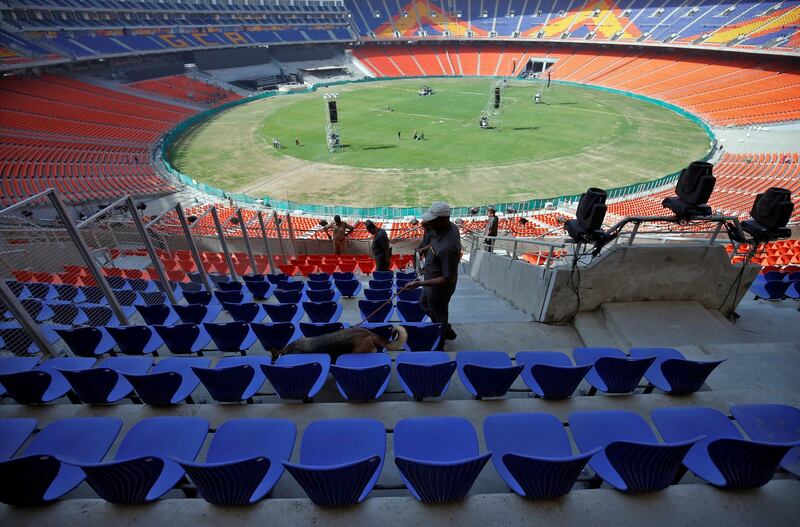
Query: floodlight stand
{"type": "Point", "coordinates": [494, 116]}
{"type": "Point", "coordinates": [332, 135]}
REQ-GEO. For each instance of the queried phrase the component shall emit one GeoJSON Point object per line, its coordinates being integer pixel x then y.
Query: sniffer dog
{"type": "Point", "coordinates": [348, 340]}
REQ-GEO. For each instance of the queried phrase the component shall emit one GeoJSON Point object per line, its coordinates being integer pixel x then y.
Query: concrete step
{"type": "Point", "coordinates": [688, 505]}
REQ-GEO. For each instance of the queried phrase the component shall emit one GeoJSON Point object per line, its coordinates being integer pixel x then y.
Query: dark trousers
{"type": "Point", "coordinates": [488, 245]}
{"type": "Point", "coordinates": [435, 301]}
{"type": "Point", "coordinates": [381, 263]}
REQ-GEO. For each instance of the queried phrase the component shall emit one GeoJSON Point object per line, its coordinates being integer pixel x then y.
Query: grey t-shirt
{"type": "Point", "coordinates": [491, 226]}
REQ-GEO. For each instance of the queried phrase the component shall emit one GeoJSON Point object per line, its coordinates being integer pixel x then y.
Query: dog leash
{"type": "Point", "coordinates": [391, 299]}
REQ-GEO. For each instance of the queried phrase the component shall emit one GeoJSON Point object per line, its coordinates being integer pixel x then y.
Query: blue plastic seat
{"type": "Point", "coordinates": [200, 297]}
{"type": "Point", "coordinates": [343, 276]}
{"type": "Point", "coordinates": [776, 423]}
{"type": "Point", "coordinates": [383, 275]}
{"type": "Point", "coordinates": [319, 277]}
{"type": "Point", "coordinates": [380, 284]}
{"type": "Point", "coordinates": [362, 376]}
{"type": "Point", "coordinates": [340, 460]}
{"type": "Point", "coordinates": [100, 315]}
{"type": "Point", "coordinates": [632, 459]}
{"type": "Point", "coordinates": [402, 275]}
{"type": "Point", "coordinates": [253, 278]}
{"type": "Point", "coordinates": [410, 295]}
{"type": "Point", "coordinates": [117, 282]}
{"type": "Point", "coordinates": [423, 337]}
{"type": "Point", "coordinates": [298, 377]}
{"type": "Point", "coordinates": [67, 314]}
{"type": "Point", "coordinates": [276, 335]}
{"type": "Point", "coordinates": [550, 374]}
{"type": "Point", "coordinates": [41, 290]}
{"type": "Point", "coordinates": [158, 314]}
{"type": "Point", "coordinates": [283, 312]}
{"type": "Point", "coordinates": [612, 371]}
{"type": "Point", "coordinates": [136, 340]}
{"type": "Point", "coordinates": [198, 313]}
{"type": "Point", "coordinates": [382, 329]}
{"type": "Point", "coordinates": [231, 337]}
{"type": "Point", "coordinates": [44, 383]}
{"type": "Point", "coordinates": [291, 286]}
{"type": "Point", "coordinates": [260, 290]}
{"type": "Point", "coordinates": [18, 288]}
{"type": "Point", "coordinates": [318, 286]}
{"type": "Point", "coordinates": [152, 298]}
{"type": "Point", "coordinates": [244, 461]}
{"type": "Point", "coordinates": [141, 285]}
{"type": "Point", "coordinates": [44, 472]}
{"type": "Point", "coordinates": [13, 434]}
{"type": "Point", "coordinates": [69, 293]}
{"type": "Point", "coordinates": [233, 379]}
{"type": "Point", "coordinates": [189, 287]}
{"type": "Point", "coordinates": [533, 455]}
{"type": "Point", "coordinates": [411, 312]}
{"type": "Point", "coordinates": [724, 458]}
{"type": "Point", "coordinates": [375, 310]}
{"type": "Point", "coordinates": [322, 312]}
{"type": "Point", "coordinates": [127, 299]}
{"type": "Point", "coordinates": [87, 341]}
{"type": "Point", "coordinates": [672, 372]}
{"type": "Point", "coordinates": [793, 291]}
{"type": "Point", "coordinates": [170, 381]}
{"type": "Point", "coordinates": [486, 373]}
{"type": "Point", "coordinates": [315, 329]}
{"type": "Point", "coordinates": [438, 457]}
{"type": "Point", "coordinates": [16, 340]}
{"type": "Point", "coordinates": [93, 295]}
{"type": "Point", "coordinates": [770, 290]}
{"type": "Point", "coordinates": [184, 339]}
{"type": "Point", "coordinates": [348, 287]}
{"type": "Point", "coordinates": [233, 297]}
{"type": "Point", "coordinates": [16, 365]}
{"type": "Point", "coordinates": [38, 310]}
{"type": "Point", "coordinates": [289, 297]}
{"type": "Point", "coordinates": [323, 295]}
{"type": "Point", "coordinates": [144, 469]}
{"type": "Point", "coordinates": [424, 374]}
{"type": "Point", "coordinates": [104, 382]}
{"type": "Point", "coordinates": [230, 286]}
{"type": "Point", "coordinates": [249, 312]}
{"type": "Point", "coordinates": [377, 295]}
{"type": "Point", "coordinates": [277, 278]}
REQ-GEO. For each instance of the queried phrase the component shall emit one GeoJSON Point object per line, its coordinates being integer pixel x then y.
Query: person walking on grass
{"type": "Point", "coordinates": [338, 232]}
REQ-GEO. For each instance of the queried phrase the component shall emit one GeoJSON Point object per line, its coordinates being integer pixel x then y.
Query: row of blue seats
{"type": "Point", "coordinates": [438, 458]}
{"type": "Point", "coordinates": [359, 377]}
{"type": "Point", "coordinates": [775, 285]}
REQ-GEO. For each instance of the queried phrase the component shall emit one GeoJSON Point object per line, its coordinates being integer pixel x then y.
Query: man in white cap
{"type": "Point", "coordinates": [441, 268]}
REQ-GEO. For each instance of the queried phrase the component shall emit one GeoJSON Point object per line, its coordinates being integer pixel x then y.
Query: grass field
{"type": "Point", "coordinates": [578, 138]}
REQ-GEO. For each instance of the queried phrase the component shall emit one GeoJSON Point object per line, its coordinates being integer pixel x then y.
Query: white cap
{"type": "Point", "coordinates": [439, 209]}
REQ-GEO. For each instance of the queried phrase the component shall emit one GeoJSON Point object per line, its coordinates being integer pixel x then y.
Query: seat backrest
{"type": "Point", "coordinates": [435, 439]}
{"type": "Point", "coordinates": [336, 441]}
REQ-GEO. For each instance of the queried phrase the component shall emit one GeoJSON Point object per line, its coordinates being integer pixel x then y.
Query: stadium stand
{"type": "Point", "coordinates": [188, 90]}
{"type": "Point", "coordinates": [723, 91]}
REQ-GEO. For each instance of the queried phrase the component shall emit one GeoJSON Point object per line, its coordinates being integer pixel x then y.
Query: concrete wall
{"type": "Point", "coordinates": [621, 274]}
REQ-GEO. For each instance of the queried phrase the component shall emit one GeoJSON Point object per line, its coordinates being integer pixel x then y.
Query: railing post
{"type": "Point", "coordinates": [246, 238]}
{"type": "Point", "coordinates": [514, 251]}
{"type": "Point", "coordinates": [716, 233]}
{"type": "Point", "coordinates": [633, 233]}
{"type": "Point", "coordinates": [148, 244]}
{"type": "Point", "coordinates": [27, 323]}
{"type": "Point", "coordinates": [83, 249]}
{"type": "Point", "coordinates": [266, 242]}
{"type": "Point", "coordinates": [280, 236]}
{"type": "Point", "coordinates": [291, 233]}
{"type": "Point", "coordinates": [223, 243]}
{"type": "Point", "coordinates": [198, 262]}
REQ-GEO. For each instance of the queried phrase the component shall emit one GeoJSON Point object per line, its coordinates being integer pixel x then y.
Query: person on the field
{"type": "Point", "coordinates": [490, 229]}
{"type": "Point", "coordinates": [338, 231]}
{"type": "Point", "coordinates": [381, 251]}
{"type": "Point", "coordinates": [441, 268]}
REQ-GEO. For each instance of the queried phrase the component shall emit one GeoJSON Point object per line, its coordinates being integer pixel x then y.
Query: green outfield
{"type": "Point", "coordinates": [579, 137]}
